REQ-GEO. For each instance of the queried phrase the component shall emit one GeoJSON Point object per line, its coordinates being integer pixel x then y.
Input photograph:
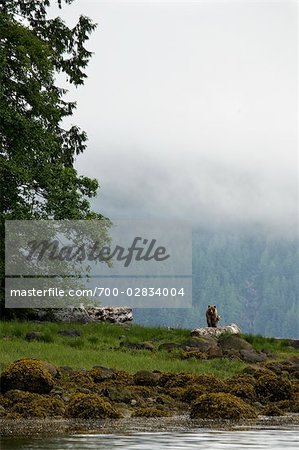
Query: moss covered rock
{"type": "Point", "coordinates": [123, 378]}
{"type": "Point", "coordinates": [288, 405]}
{"type": "Point", "coordinates": [270, 387]}
{"type": "Point", "coordinates": [211, 383]}
{"type": "Point", "coordinates": [26, 405]}
{"type": "Point", "coordinates": [121, 394]}
{"type": "Point", "coordinates": [180, 379]}
{"type": "Point", "coordinates": [80, 377]}
{"type": "Point", "coordinates": [243, 390]}
{"type": "Point", "coordinates": [176, 392]}
{"type": "Point", "coordinates": [27, 375]}
{"type": "Point", "coordinates": [3, 400]}
{"type": "Point", "coordinates": [234, 342]}
{"type": "Point", "coordinates": [150, 412]}
{"type": "Point", "coordinates": [35, 336]}
{"type": "Point", "coordinates": [256, 371]}
{"type": "Point", "coordinates": [272, 410]}
{"type": "Point", "coordinates": [194, 354]}
{"type": "Point", "coordinates": [100, 374]}
{"type": "Point", "coordinates": [240, 378]}
{"type": "Point", "coordinates": [90, 406]}
{"type": "Point", "coordinates": [142, 391]}
{"type": "Point", "coordinates": [192, 392]}
{"type": "Point", "coordinates": [221, 406]}
{"type": "Point", "coordinates": [146, 378]}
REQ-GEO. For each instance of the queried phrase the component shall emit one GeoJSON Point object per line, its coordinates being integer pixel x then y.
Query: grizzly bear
{"type": "Point", "coordinates": [212, 316]}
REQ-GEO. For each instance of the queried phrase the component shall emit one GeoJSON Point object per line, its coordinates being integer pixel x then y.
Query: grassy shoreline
{"type": "Point", "coordinates": [100, 344]}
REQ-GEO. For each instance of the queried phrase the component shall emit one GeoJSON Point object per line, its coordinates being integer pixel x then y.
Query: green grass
{"type": "Point", "coordinates": [99, 345]}
{"type": "Point", "coordinates": [265, 343]}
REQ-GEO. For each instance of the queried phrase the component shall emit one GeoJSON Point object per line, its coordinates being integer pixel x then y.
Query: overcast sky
{"type": "Point", "coordinates": [191, 110]}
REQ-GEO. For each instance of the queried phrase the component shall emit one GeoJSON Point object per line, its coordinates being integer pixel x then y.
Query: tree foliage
{"type": "Point", "coordinates": [37, 150]}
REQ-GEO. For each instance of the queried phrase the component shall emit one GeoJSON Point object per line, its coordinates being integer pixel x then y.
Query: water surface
{"type": "Point", "coordinates": [203, 438]}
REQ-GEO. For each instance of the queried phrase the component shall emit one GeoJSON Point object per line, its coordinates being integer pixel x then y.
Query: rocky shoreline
{"type": "Point", "coordinates": [37, 391]}
{"type": "Point", "coordinates": [56, 427]}
{"type": "Point", "coordinates": [38, 397]}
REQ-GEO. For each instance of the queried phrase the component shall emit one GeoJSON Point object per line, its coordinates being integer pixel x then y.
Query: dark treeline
{"type": "Point", "coordinates": [253, 278]}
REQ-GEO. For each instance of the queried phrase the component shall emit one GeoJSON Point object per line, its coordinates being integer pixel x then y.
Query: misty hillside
{"type": "Point", "coordinates": [252, 278]}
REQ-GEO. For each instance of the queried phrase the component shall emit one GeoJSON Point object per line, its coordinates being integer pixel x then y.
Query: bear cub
{"type": "Point", "coordinates": [212, 316]}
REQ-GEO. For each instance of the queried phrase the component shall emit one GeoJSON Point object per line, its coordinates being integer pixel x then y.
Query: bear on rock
{"type": "Point", "coordinates": [212, 316]}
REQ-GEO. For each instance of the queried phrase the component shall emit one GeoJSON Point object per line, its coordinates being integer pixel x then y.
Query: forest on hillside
{"type": "Point", "coordinates": [253, 278]}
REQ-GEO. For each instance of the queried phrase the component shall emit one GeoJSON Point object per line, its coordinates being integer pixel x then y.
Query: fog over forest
{"type": "Point", "coordinates": [190, 109]}
{"type": "Point", "coordinates": [191, 113]}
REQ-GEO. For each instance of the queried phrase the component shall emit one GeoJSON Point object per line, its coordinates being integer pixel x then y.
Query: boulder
{"type": "Point", "coordinates": [27, 374]}
{"type": "Point", "coordinates": [252, 356]}
{"type": "Point", "coordinates": [294, 343]}
{"type": "Point", "coordinates": [201, 344]}
{"type": "Point", "coordinates": [272, 410]}
{"type": "Point", "coordinates": [243, 390]}
{"type": "Point", "coordinates": [100, 374]}
{"type": "Point", "coordinates": [209, 331]}
{"type": "Point", "coordinates": [31, 405]}
{"type": "Point", "coordinates": [207, 345]}
{"type": "Point", "coordinates": [71, 332]}
{"type": "Point", "coordinates": [255, 371]}
{"type": "Point", "coordinates": [148, 346]}
{"type": "Point", "coordinates": [90, 406]}
{"type": "Point", "coordinates": [232, 353]}
{"type": "Point", "coordinates": [215, 352]}
{"type": "Point", "coordinates": [168, 346]}
{"type": "Point", "coordinates": [194, 354]}
{"type": "Point", "coordinates": [235, 346]}
{"type": "Point", "coordinates": [35, 336]}
{"type": "Point", "coordinates": [270, 387]}
{"type": "Point", "coordinates": [146, 378]}
{"type": "Point", "coordinates": [138, 346]}
{"type": "Point", "coordinates": [221, 406]}
{"type": "Point", "coordinates": [131, 345]}
{"type": "Point", "coordinates": [234, 342]}
{"type": "Point", "coordinates": [210, 382]}
{"type": "Point", "coordinates": [54, 371]}
{"type": "Point", "coordinates": [120, 394]}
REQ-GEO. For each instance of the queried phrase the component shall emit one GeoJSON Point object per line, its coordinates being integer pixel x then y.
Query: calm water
{"type": "Point", "coordinates": [201, 439]}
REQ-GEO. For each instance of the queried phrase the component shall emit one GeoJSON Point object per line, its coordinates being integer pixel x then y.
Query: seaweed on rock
{"type": "Point", "coordinates": [90, 406]}
{"type": "Point", "coordinates": [27, 374]}
{"type": "Point", "coordinates": [270, 387]}
{"type": "Point", "coordinates": [221, 406]}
